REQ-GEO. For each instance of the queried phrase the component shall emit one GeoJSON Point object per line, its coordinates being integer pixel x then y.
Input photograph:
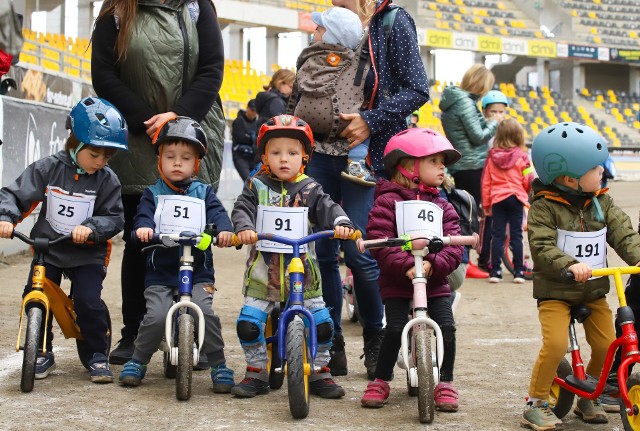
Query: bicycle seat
{"type": "Point", "coordinates": [580, 313]}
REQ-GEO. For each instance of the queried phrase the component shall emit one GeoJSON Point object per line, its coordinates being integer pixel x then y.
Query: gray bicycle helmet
{"type": "Point", "coordinates": [570, 149]}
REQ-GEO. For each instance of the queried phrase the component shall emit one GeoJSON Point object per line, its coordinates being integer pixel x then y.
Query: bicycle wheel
{"type": "Point", "coordinates": [412, 390]}
{"type": "Point", "coordinates": [507, 258]}
{"type": "Point", "coordinates": [297, 361]}
{"type": "Point", "coordinates": [185, 356]}
{"type": "Point", "coordinates": [31, 345]}
{"type": "Point", "coordinates": [631, 423]}
{"type": "Point", "coordinates": [170, 371]}
{"type": "Point", "coordinates": [275, 379]}
{"type": "Point", "coordinates": [561, 400]}
{"type": "Point", "coordinates": [348, 296]}
{"type": "Point", "coordinates": [84, 352]}
{"type": "Point", "coordinates": [426, 384]}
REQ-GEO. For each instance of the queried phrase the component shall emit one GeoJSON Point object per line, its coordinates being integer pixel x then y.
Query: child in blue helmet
{"type": "Point", "coordinates": [571, 221]}
{"type": "Point", "coordinates": [80, 196]}
{"type": "Point", "coordinates": [179, 202]}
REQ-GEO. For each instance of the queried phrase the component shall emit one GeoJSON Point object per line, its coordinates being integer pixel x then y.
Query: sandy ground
{"type": "Point", "coordinates": [498, 339]}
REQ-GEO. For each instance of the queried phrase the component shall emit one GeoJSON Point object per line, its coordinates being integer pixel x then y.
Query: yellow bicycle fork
{"type": "Point", "coordinates": [54, 300]}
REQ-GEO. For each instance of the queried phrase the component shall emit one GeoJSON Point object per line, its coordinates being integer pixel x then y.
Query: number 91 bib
{"type": "Point", "coordinates": [289, 222]}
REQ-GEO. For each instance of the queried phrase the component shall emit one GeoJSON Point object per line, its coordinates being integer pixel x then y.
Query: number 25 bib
{"type": "Point", "coordinates": [419, 217]}
{"type": "Point", "coordinates": [65, 211]}
{"type": "Point", "coordinates": [587, 247]}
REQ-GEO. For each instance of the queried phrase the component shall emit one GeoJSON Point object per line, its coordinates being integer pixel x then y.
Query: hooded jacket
{"type": "Point", "coordinates": [266, 276]}
{"type": "Point", "coordinates": [397, 81]}
{"type": "Point", "coordinates": [244, 131]}
{"type": "Point", "coordinates": [270, 103]}
{"type": "Point", "coordinates": [507, 172]}
{"type": "Point", "coordinates": [553, 209]}
{"type": "Point", "coordinates": [466, 128]}
{"type": "Point", "coordinates": [393, 262]}
{"type": "Point", "coordinates": [175, 62]}
{"type": "Point", "coordinates": [58, 171]}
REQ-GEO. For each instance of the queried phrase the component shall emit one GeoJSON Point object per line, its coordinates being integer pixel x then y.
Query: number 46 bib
{"type": "Point", "coordinates": [419, 217]}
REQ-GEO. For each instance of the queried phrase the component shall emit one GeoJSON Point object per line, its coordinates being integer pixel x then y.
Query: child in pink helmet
{"type": "Point", "coordinates": [415, 160]}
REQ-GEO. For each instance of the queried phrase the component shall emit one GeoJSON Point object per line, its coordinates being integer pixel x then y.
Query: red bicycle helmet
{"type": "Point", "coordinates": [418, 142]}
{"type": "Point", "coordinates": [285, 126]}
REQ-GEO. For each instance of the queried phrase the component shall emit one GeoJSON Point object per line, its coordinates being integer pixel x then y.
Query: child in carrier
{"type": "Point", "coordinates": [330, 81]}
{"type": "Point", "coordinates": [506, 181]}
{"type": "Point", "coordinates": [179, 202]}
{"type": "Point", "coordinates": [80, 196]}
{"type": "Point", "coordinates": [568, 213]}
{"type": "Point", "coordinates": [285, 144]}
{"type": "Point", "coordinates": [415, 159]}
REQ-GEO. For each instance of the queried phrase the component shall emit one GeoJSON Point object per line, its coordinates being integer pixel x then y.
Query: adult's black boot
{"type": "Point", "coordinates": [372, 342]}
{"type": "Point", "coordinates": [338, 362]}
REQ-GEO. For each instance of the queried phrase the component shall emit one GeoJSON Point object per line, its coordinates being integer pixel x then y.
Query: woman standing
{"type": "Point", "coordinates": [273, 100]}
{"type": "Point", "coordinates": [154, 60]}
{"type": "Point", "coordinates": [395, 86]}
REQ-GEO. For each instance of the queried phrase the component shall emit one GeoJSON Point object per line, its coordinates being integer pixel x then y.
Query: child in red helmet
{"type": "Point", "coordinates": [415, 159]}
{"type": "Point", "coordinates": [285, 144]}
{"type": "Point", "coordinates": [179, 202]}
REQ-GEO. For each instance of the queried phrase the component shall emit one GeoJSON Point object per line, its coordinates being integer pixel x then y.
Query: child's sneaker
{"type": "Point", "coordinates": [376, 394]}
{"type": "Point", "coordinates": [358, 173]}
{"type": "Point", "coordinates": [44, 365]}
{"type": "Point", "coordinates": [446, 397]}
{"type": "Point", "coordinates": [495, 277]}
{"type": "Point", "coordinates": [590, 411]}
{"type": "Point", "coordinates": [222, 378]}
{"type": "Point", "coordinates": [610, 404]}
{"type": "Point", "coordinates": [518, 277]}
{"type": "Point", "coordinates": [132, 373]}
{"type": "Point", "coordinates": [325, 387]}
{"type": "Point", "coordinates": [99, 369]}
{"type": "Point", "coordinates": [539, 416]}
{"type": "Point", "coordinates": [255, 382]}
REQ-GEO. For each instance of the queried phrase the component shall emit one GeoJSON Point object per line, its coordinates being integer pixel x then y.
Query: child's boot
{"type": "Point", "coordinates": [590, 411]}
{"type": "Point", "coordinates": [99, 369]}
{"type": "Point", "coordinates": [132, 373]}
{"type": "Point", "coordinates": [324, 386]}
{"type": "Point", "coordinates": [222, 378]}
{"type": "Point", "coordinates": [376, 394]}
{"type": "Point", "coordinates": [539, 416]}
{"type": "Point", "coordinates": [358, 173]}
{"type": "Point", "coordinates": [446, 397]}
{"type": "Point", "coordinates": [255, 382]}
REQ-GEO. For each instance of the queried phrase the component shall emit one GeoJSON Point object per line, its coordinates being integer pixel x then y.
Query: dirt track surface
{"type": "Point", "coordinates": [498, 339]}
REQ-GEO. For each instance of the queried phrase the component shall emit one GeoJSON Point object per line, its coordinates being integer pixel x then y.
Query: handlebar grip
{"type": "Point", "coordinates": [471, 240]}
{"type": "Point", "coordinates": [235, 242]}
{"type": "Point", "coordinates": [155, 239]}
{"type": "Point", "coordinates": [566, 274]}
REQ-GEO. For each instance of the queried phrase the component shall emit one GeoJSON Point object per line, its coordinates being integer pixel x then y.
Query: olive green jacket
{"type": "Point", "coordinates": [466, 128]}
{"type": "Point", "coordinates": [552, 209]}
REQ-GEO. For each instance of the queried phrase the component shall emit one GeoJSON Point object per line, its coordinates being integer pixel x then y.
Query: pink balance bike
{"type": "Point", "coordinates": [417, 356]}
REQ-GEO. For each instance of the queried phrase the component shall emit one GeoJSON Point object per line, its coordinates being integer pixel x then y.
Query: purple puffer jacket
{"type": "Point", "coordinates": [393, 262]}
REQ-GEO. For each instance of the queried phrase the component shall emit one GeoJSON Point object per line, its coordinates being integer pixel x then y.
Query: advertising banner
{"type": "Point", "coordinates": [627, 55]}
{"type": "Point", "coordinates": [439, 39]}
{"type": "Point", "coordinates": [490, 44]}
{"type": "Point", "coordinates": [541, 48]}
{"type": "Point", "coordinates": [583, 52]}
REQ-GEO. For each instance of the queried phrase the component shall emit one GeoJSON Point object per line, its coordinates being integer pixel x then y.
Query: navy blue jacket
{"type": "Point", "coordinates": [163, 263]}
{"type": "Point", "coordinates": [402, 85]}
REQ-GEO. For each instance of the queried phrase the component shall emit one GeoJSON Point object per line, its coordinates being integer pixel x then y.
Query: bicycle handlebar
{"type": "Point", "coordinates": [419, 241]}
{"type": "Point", "coordinates": [356, 235]}
{"type": "Point", "coordinates": [166, 240]}
{"type": "Point", "coordinates": [603, 272]}
{"type": "Point", "coordinates": [27, 240]}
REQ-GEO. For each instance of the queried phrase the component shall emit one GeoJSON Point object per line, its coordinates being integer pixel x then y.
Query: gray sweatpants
{"type": "Point", "coordinates": [159, 300]}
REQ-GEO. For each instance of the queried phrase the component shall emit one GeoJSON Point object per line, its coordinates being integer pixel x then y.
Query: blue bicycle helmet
{"type": "Point", "coordinates": [96, 122]}
{"type": "Point", "coordinates": [494, 96]}
{"type": "Point", "coordinates": [570, 149]}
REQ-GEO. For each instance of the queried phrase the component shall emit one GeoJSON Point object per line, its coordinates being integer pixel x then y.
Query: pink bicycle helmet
{"type": "Point", "coordinates": [418, 143]}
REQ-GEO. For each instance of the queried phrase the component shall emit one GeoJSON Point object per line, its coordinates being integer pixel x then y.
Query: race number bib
{"type": "Point", "coordinates": [175, 214]}
{"type": "Point", "coordinates": [419, 217]}
{"type": "Point", "coordinates": [587, 247]}
{"type": "Point", "coordinates": [65, 211]}
{"type": "Point", "coordinates": [282, 221]}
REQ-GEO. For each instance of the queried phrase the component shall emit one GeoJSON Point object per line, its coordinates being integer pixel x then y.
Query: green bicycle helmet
{"type": "Point", "coordinates": [570, 149]}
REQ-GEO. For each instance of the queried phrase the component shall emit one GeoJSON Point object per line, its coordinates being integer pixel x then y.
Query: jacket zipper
{"type": "Point", "coordinates": [185, 42]}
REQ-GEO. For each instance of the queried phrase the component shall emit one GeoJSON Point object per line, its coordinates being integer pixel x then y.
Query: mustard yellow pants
{"type": "Point", "coordinates": [554, 321]}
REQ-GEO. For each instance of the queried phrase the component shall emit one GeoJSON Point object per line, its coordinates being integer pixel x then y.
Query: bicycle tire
{"type": "Point", "coordinates": [426, 383]}
{"type": "Point", "coordinates": [561, 400]}
{"type": "Point", "coordinates": [185, 357]}
{"type": "Point", "coordinates": [412, 390]}
{"type": "Point", "coordinates": [297, 361]}
{"type": "Point", "coordinates": [84, 352]}
{"type": "Point", "coordinates": [631, 423]}
{"type": "Point", "coordinates": [31, 345]}
{"type": "Point", "coordinates": [276, 380]}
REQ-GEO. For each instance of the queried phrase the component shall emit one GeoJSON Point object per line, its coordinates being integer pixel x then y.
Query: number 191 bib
{"type": "Point", "coordinates": [587, 247]}
{"type": "Point", "coordinates": [419, 217]}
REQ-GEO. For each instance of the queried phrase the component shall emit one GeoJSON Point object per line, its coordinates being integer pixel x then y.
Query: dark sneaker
{"type": "Point", "coordinates": [338, 362]}
{"type": "Point", "coordinates": [358, 173]}
{"type": "Point", "coordinates": [44, 365]}
{"type": "Point", "coordinates": [518, 277]}
{"type": "Point", "coordinates": [99, 369]}
{"type": "Point", "coordinates": [326, 388]}
{"type": "Point", "coordinates": [123, 353]}
{"type": "Point", "coordinates": [255, 382]}
{"type": "Point", "coordinates": [539, 416]}
{"type": "Point", "coordinates": [132, 373]}
{"type": "Point", "coordinates": [486, 267]}
{"type": "Point", "coordinates": [495, 277]}
{"type": "Point", "coordinates": [222, 378]}
{"type": "Point", "coordinates": [590, 411]}
{"type": "Point", "coordinates": [372, 341]}
{"type": "Point", "coordinates": [203, 363]}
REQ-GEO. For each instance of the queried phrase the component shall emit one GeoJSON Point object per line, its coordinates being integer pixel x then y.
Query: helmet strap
{"type": "Point", "coordinates": [180, 190]}
{"type": "Point", "coordinates": [74, 156]}
{"type": "Point", "coordinates": [414, 178]}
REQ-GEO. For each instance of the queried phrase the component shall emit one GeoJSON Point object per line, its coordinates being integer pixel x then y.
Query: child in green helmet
{"type": "Point", "coordinates": [569, 212]}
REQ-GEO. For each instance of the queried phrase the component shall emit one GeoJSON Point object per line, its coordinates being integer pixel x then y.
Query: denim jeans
{"type": "Point", "coordinates": [359, 152]}
{"type": "Point", "coordinates": [356, 200]}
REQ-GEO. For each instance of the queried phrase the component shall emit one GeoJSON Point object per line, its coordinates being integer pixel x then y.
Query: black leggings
{"type": "Point", "coordinates": [396, 311]}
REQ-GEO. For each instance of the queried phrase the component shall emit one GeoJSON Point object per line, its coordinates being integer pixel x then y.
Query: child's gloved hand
{"type": "Point", "coordinates": [581, 272]}
{"type": "Point", "coordinates": [224, 239]}
{"type": "Point", "coordinates": [247, 236]}
{"type": "Point", "coordinates": [343, 232]}
{"type": "Point", "coordinates": [6, 229]}
{"type": "Point", "coordinates": [80, 234]}
{"type": "Point", "coordinates": [144, 234]}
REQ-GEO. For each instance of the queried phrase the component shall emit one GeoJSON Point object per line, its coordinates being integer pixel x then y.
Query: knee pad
{"type": "Point", "coordinates": [324, 325]}
{"type": "Point", "coordinates": [448, 333]}
{"type": "Point", "coordinates": [250, 325]}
